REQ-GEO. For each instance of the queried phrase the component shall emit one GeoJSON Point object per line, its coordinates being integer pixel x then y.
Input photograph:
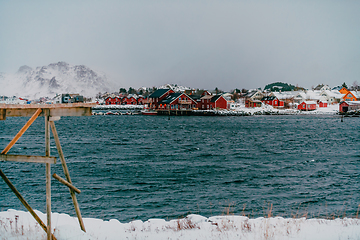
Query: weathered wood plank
{"type": "Point", "coordinates": [46, 106]}
{"type": "Point", "coordinates": [66, 183]}
{"type": "Point", "coordinates": [73, 112]}
{"type": "Point", "coordinates": [54, 112]}
{"type": "Point", "coordinates": [27, 158]}
{"type": "Point", "coordinates": [22, 131]}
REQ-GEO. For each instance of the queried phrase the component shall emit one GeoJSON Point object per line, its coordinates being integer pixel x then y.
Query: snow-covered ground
{"type": "Point", "coordinates": [21, 225]}
{"type": "Point", "coordinates": [265, 109]}
{"type": "Point", "coordinates": [331, 109]}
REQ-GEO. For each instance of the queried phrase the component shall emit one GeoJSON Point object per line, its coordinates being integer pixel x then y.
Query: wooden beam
{"type": "Point", "coordinates": [46, 106]}
{"type": "Point", "coordinates": [66, 183]}
{"type": "Point", "coordinates": [73, 112]}
{"type": "Point", "coordinates": [67, 175]}
{"type": "Point", "coordinates": [27, 158]}
{"type": "Point", "coordinates": [27, 110]}
{"type": "Point", "coordinates": [48, 173]}
{"type": "Point", "coordinates": [24, 202]}
{"type": "Point", "coordinates": [22, 131]}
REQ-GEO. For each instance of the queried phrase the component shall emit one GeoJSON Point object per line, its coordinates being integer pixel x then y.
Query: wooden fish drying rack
{"type": "Point", "coordinates": [51, 112]}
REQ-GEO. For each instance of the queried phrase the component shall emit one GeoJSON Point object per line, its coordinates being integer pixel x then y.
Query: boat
{"type": "Point", "coordinates": [149, 112]}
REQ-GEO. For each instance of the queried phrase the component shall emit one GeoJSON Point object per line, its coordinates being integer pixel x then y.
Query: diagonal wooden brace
{"type": "Point", "coordinates": [22, 131]}
{"type": "Point", "coordinates": [67, 174]}
{"type": "Point", "coordinates": [66, 183]}
{"type": "Point", "coordinates": [24, 202]}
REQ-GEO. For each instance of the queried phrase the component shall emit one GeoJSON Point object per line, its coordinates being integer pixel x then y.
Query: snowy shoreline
{"type": "Point", "coordinates": [20, 225]}
{"type": "Point", "coordinates": [240, 111]}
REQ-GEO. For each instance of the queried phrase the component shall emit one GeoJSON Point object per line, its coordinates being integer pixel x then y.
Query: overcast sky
{"type": "Point", "coordinates": [201, 44]}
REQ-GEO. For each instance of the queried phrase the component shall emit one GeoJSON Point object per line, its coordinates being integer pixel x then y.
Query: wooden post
{"type": "Point", "coordinates": [48, 174]}
{"type": "Point", "coordinates": [2, 114]}
{"type": "Point", "coordinates": [22, 131]}
{"type": "Point", "coordinates": [67, 175]}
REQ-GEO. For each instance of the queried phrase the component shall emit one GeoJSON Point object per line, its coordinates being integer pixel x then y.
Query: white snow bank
{"type": "Point", "coordinates": [331, 109]}
{"type": "Point", "coordinates": [21, 225]}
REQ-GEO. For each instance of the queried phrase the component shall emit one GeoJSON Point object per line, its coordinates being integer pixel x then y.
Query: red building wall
{"type": "Point", "coordinates": [204, 104]}
{"type": "Point", "coordinates": [176, 104]}
{"type": "Point", "coordinates": [220, 103]}
{"type": "Point", "coordinates": [276, 102]}
{"type": "Point", "coordinates": [129, 101]}
{"type": "Point", "coordinates": [342, 105]}
{"type": "Point", "coordinates": [306, 107]}
{"type": "Point", "coordinates": [140, 101]}
{"type": "Point", "coordinates": [112, 101]}
{"type": "Point", "coordinates": [323, 104]}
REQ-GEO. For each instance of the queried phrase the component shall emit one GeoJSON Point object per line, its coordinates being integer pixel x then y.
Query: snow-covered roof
{"type": "Point", "coordinates": [325, 87]}
{"type": "Point", "coordinates": [313, 94]}
{"type": "Point", "coordinates": [309, 102]}
{"type": "Point", "coordinates": [284, 95]}
{"type": "Point", "coordinates": [332, 93]}
{"type": "Point", "coordinates": [353, 102]}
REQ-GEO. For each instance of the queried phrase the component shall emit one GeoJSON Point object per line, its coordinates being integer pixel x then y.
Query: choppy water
{"type": "Point", "coordinates": [141, 167]}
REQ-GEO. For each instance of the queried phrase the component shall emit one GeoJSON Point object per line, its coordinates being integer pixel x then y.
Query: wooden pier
{"type": "Point", "coordinates": [51, 113]}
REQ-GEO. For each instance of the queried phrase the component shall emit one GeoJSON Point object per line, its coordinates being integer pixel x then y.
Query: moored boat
{"type": "Point", "coordinates": [149, 112]}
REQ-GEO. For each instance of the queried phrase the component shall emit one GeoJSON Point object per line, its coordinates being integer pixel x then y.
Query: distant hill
{"type": "Point", "coordinates": [54, 78]}
{"type": "Point", "coordinates": [279, 86]}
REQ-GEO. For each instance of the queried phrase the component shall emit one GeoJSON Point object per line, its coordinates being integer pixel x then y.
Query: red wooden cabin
{"type": "Point", "coordinates": [323, 104]}
{"type": "Point", "coordinates": [156, 97]}
{"type": "Point", "coordinates": [212, 102]}
{"type": "Point", "coordinates": [140, 101]}
{"type": "Point", "coordinates": [273, 101]}
{"type": "Point", "coordinates": [177, 101]}
{"type": "Point", "coordinates": [251, 104]}
{"type": "Point", "coordinates": [112, 101]}
{"type": "Point", "coordinates": [204, 103]}
{"type": "Point", "coordinates": [307, 106]}
{"type": "Point", "coordinates": [349, 106]}
{"type": "Point", "coordinates": [218, 102]}
{"type": "Point", "coordinates": [129, 101]}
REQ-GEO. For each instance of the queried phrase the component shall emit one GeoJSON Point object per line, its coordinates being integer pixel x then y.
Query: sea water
{"type": "Point", "coordinates": [141, 167]}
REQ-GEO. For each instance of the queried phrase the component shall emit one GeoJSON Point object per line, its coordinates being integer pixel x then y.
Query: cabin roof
{"type": "Point", "coordinates": [268, 98]}
{"type": "Point", "coordinates": [195, 97]}
{"type": "Point", "coordinates": [309, 102]}
{"type": "Point", "coordinates": [158, 93]}
{"type": "Point", "coordinates": [170, 98]}
{"type": "Point", "coordinates": [207, 97]}
{"type": "Point", "coordinates": [215, 98]}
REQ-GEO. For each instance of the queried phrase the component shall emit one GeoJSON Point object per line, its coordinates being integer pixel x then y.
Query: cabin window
{"type": "Point", "coordinates": [350, 95]}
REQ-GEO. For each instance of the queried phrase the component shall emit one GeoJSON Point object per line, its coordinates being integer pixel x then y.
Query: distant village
{"type": "Point", "coordinates": [172, 98]}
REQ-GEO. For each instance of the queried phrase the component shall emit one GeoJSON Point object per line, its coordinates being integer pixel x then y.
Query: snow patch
{"type": "Point", "coordinates": [21, 225]}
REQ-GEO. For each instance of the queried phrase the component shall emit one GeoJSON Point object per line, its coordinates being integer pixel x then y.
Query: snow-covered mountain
{"type": "Point", "coordinates": [174, 87]}
{"type": "Point", "coordinates": [55, 78]}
